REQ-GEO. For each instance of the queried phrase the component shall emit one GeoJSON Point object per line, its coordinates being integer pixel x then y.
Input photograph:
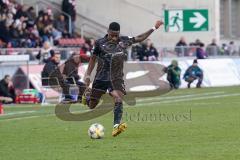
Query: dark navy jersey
{"type": "Point", "coordinates": [111, 57]}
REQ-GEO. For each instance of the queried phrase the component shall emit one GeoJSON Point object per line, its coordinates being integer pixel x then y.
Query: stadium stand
{"type": "Point", "coordinates": [24, 29]}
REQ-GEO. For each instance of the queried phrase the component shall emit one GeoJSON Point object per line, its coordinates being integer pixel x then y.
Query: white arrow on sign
{"type": "Point", "coordinates": [198, 19]}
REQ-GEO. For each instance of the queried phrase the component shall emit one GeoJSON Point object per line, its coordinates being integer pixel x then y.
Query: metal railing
{"type": "Point", "coordinates": [187, 51]}
{"type": "Point", "coordinates": [33, 52]}
{"type": "Point", "coordinates": [164, 52]}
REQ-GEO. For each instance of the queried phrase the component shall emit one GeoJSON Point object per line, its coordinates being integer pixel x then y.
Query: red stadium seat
{"type": "Point", "coordinates": [71, 42]}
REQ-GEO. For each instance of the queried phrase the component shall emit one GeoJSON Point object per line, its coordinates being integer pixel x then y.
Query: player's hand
{"type": "Point", "coordinates": [87, 81]}
{"type": "Point", "coordinates": [158, 24]}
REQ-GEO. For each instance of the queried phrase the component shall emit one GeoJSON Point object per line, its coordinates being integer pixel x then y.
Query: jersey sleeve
{"type": "Point", "coordinates": [128, 41]}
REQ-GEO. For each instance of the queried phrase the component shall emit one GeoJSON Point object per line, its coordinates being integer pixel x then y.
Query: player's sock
{"type": "Point", "coordinates": [118, 111]}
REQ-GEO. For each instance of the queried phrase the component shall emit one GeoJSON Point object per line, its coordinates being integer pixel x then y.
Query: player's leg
{"type": "Point", "coordinates": [118, 127]}
{"type": "Point", "coordinates": [118, 106]}
{"type": "Point", "coordinates": [117, 92]}
{"type": "Point", "coordinates": [98, 89]}
{"type": "Point", "coordinates": [95, 97]}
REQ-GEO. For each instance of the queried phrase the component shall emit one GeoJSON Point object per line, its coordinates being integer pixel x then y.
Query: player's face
{"type": "Point", "coordinates": [113, 36]}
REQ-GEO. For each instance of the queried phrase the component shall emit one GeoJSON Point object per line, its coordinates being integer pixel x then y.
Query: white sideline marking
{"type": "Point", "coordinates": [16, 113]}
{"type": "Point", "coordinates": [191, 99]}
{"type": "Point", "coordinates": [176, 97]}
{"type": "Point", "coordinates": [19, 118]}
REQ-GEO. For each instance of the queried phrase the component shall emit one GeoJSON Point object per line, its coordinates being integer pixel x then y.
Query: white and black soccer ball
{"type": "Point", "coordinates": [96, 131]}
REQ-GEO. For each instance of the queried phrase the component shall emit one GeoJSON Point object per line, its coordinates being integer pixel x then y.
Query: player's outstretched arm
{"type": "Point", "coordinates": [145, 35]}
{"type": "Point", "coordinates": [90, 68]}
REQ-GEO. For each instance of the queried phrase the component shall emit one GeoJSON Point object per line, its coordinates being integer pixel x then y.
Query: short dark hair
{"type": "Point", "coordinates": [114, 26]}
{"type": "Point", "coordinates": [53, 53]}
{"type": "Point", "coordinates": [6, 76]}
{"type": "Point", "coordinates": [195, 61]}
{"type": "Point", "coordinates": [201, 44]}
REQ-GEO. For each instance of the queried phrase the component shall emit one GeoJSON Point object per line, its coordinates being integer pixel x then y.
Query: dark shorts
{"type": "Point", "coordinates": [109, 85]}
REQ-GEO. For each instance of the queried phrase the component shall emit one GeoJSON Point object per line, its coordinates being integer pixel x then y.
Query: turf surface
{"type": "Point", "coordinates": [187, 124]}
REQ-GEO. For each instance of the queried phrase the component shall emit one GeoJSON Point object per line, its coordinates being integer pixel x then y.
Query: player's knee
{"type": "Point", "coordinates": [118, 99]}
{"type": "Point", "coordinates": [95, 98]}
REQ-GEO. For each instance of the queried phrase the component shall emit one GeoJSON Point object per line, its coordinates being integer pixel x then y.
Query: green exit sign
{"type": "Point", "coordinates": [186, 20]}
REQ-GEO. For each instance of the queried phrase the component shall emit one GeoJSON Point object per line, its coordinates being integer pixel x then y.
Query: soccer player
{"type": "Point", "coordinates": [110, 53]}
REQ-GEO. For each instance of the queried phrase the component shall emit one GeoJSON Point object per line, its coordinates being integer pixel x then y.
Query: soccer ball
{"type": "Point", "coordinates": [96, 131]}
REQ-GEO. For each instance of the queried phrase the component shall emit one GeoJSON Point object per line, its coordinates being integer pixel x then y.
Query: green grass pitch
{"type": "Point", "coordinates": [186, 124]}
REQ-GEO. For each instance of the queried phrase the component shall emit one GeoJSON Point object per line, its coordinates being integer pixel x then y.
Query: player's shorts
{"type": "Point", "coordinates": [101, 87]}
{"type": "Point", "coordinates": [109, 85]}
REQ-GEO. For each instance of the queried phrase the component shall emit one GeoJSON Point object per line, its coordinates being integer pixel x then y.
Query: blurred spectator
{"type": "Point", "coordinates": [45, 53]}
{"type": "Point", "coordinates": [150, 51]}
{"type": "Point", "coordinates": [138, 52]}
{"type": "Point", "coordinates": [232, 48]}
{"type": "Point", "coordinates": [198, 42]}
{"type": "Point", "coordinates": [89, 44]}
{"type": "Point", "coordinates": [200, 53]}
{"type": "Point", "coordinates": [70, 71]}
{"type": "Point", "coordinates": [22, 29]}
{"type": "Point", "coordinates": [30, 14]}
{"type": "Point", "coordinates": [6, 88]}
{"type": "Point", "coordinates": [181, 47]}
{"type": "Point", "coordinates": [224, 49]}
{"type": "Point", "coordinates": [52, 76]}
{"type": "Point", "coordinates": [61, 25]}
{"type": "Point", "coordinates": [213, 49]}
{"type": "Point", "coordinates": [193, 73]}
{"type": "Point", "coordinates": [6, 30]}
{"type": "Point", "coordinates": [47, 30]}
{"type": "Point", "coordinates": [9, 19]}
{"type": "Point", "coordinates": [71, 67]}
{"type": "Point", "coordinates": [173, 74]}
{"type": "Point", "coordinates": [20, 12]}
{"type": "Point", "coordinates": [40, 24]}
{"type": "Point", "coordinates": [69, 6]}
{"type": "Point", "coordinates": [51, 65]}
